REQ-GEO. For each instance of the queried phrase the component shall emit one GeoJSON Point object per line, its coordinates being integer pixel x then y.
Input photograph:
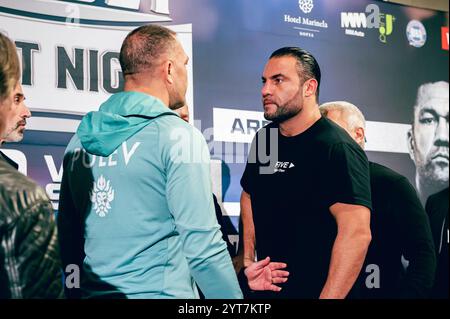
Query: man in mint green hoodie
{"type": "Point", "coordinates": [136, 211]}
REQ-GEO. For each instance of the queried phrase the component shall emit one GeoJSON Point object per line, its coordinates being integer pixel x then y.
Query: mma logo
{"type": "Point", "coordinates": [355, 22]}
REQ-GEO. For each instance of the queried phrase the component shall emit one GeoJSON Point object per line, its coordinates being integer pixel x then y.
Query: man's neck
{"type": "Point", "coordinates": [153, 88]}
{"type": "Point", "coordinates": [300, 122]}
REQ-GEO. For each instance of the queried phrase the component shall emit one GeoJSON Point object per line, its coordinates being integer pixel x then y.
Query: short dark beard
{"type": "Point", "coordinates": [287, 110]}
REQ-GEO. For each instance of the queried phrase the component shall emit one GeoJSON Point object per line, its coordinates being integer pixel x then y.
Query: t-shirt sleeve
{"type": "Point", "coordinates": [249, 177]}
{"type": "Point", "coordinates": [348, 176]}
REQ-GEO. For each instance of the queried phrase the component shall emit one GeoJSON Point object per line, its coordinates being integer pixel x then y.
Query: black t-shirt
{"type": "Point", "coordinates": [291, 197]}
{"type": "Point", "coordinates": [399, 227]}
{"type": "Point", "coordinates": [437, 209]}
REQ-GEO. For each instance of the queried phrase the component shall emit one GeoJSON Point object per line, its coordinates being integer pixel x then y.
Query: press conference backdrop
{"type": "Point", "coordinates": [69, 52]}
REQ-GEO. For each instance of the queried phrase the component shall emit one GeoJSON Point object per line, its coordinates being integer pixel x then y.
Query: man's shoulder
{"type": "Point", "coordinates": [442, 195]}
{"type": "Point", "coordinates": [386, 178]}
{"type": "Point", "coordinates": [11, 178]}
{"type": "Point", "coordinates": [8, 160]}
{"type": "Point", "coordinates": [381, 171]}
{"type": "Point", "coordinates": [174, 128]}
{"type": "Point", "coordinates": [74, 144]}
{"type": "Point", "coordinates": [439, 200]}
{"type": "Point", "coordinates": [14, 185]}
{"type": "Point", "coordinates": [266, 128]}
{"type": "Point", "coordinates": [331, 134]}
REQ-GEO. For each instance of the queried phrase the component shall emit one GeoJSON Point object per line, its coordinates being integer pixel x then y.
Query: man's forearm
{"type": "Point", "coordinates": [248, 229]}
{"type": "Point", "coordinates": [249, 245]}
{"type": "Point", "coordinates": [349, 252]}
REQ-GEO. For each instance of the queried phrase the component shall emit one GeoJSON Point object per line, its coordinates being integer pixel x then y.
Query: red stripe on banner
{"type": "Point", "coordinates": [445, 38]}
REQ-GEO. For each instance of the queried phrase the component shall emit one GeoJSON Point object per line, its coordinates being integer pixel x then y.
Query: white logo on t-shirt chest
{"type": "Point", "coordinates": [281, 167]}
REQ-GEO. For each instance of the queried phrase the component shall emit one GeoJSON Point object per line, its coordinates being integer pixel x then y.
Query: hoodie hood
{"type": "Point", "coordinates": [120, 117]}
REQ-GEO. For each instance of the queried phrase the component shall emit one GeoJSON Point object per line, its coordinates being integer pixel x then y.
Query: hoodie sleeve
{"type": "Point", "coordinates": [188, 189]}
{"type": "Point", "coordinates": [69, 223]}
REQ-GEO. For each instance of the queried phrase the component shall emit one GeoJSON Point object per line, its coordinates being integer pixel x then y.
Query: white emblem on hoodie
{"type": "Point", "coordinates": [102, 195]}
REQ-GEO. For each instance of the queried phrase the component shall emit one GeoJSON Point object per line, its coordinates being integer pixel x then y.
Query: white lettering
{"type": "Point", "coordinates": [101, 161]}
{"type": "Point", "coordinates": [353, 20]}
{"type": "Point", "coordinates": [128, 154]}
{"type": "Point", "coordinates": [52, 190]}
{"type": "Point", "coordinates": [54, 173]}
{"type": "Point", "coordinates": [111, 161]}
{"type": "Point", "coordinates": [75, 157]}
{"type": "Point", "coordinates": [85, 160]}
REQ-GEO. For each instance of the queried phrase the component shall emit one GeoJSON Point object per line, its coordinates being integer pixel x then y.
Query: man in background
{"type": "Point", "coordinates": [399, 225]}
{"type": "Point", "coordinates": [29, 255]}
{"type": "Point", "coordinates": [437, 209]}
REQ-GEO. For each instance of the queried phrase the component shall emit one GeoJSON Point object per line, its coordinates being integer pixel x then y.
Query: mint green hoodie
{"type": "Point", "coordinates": [138, 176]}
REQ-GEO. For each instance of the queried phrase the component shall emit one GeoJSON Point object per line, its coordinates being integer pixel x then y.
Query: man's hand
{"type": "Point", "coordinates": [262, 275]}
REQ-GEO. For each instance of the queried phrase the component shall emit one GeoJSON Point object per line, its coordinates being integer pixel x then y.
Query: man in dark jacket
{"type": "Point", "coordinates": [399, 224]}
{"type": "Point", "coordinates": [29, 258]}
{"type": "Point", "coordinates": [437, 209]}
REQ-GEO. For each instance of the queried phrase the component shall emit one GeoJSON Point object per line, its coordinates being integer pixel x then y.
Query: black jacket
{"type": "Point", "coordinates": [399, 226]}
{"type": "Point", "coordinates": [437, 209]}
{"type": "Point", "coordinates": [30, 266]}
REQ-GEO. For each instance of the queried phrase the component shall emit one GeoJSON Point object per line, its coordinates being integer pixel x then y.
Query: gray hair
{"type": "Point", "coordinates": [352, 115]}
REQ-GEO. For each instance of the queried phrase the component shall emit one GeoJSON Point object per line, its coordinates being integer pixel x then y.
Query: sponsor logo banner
{"type": "Point", "coordinates": [238, 126]}
{"type": "Point", "coordinates": [356, 23]}
{"type": "Point", "coordinates": [69, 67]}
{"type": "Point", "coordinates": [307, 24]}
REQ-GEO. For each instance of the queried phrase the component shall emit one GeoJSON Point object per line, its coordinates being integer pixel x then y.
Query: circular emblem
{"type": "Point", "coordinates": [416, 33]}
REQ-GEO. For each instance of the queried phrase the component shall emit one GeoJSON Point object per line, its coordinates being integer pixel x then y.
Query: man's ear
{"type": "Point", "coordinates": [360, 135]}
{"type": "Point", "coordinates": [168, 68]}
{"type": "Point", "coordinates": [410, 137]}
{"type": "Point", "coordinates": [310, 88]}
